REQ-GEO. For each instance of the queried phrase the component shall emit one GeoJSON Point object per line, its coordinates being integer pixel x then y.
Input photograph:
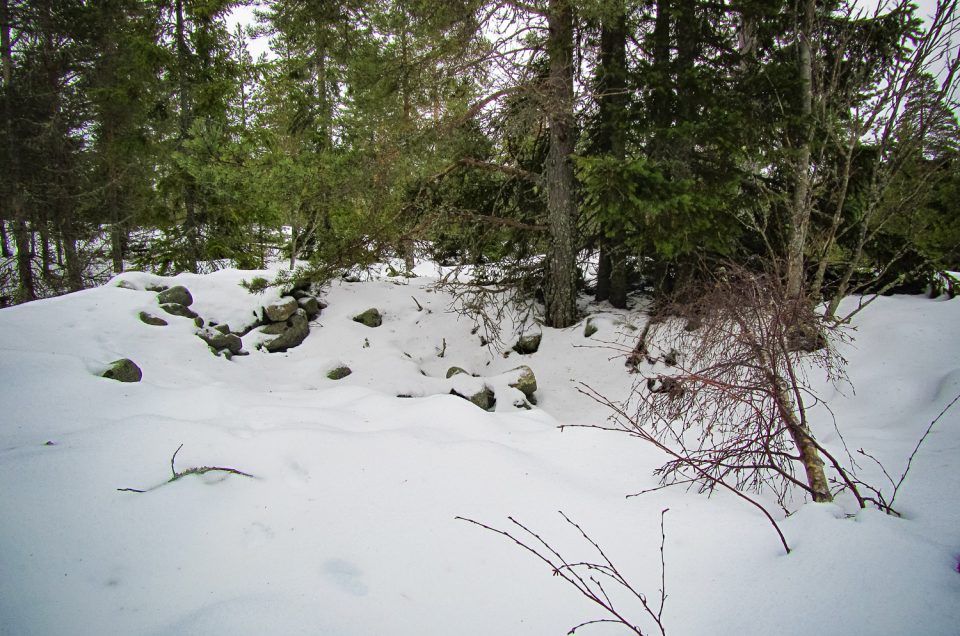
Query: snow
{"type": "Point", "coordinates": [349, 524]}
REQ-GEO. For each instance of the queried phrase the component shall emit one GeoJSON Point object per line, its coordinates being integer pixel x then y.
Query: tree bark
{"type": "Point", "coordinates": [5, 240]}
{"type": "Point", "coordinates": [14, 201]}
{"type": "Point", "coordinates": [560, 283]}
{"type": "Point", "coordinates": [805, 445]}
{"type": "Point", "coordinates": [612, 89]}
{"type": "Point", "coordinates": [190, 225]}
{"type": "Point", "coordinates": [799, 220]}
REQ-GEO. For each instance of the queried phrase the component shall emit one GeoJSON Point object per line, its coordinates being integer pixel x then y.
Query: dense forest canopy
{"type": "Point", "coordinates": [554, 146]}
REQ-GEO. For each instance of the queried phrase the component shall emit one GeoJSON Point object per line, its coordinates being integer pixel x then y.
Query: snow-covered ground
{"type": "Point", "coordinates": [349, 524]}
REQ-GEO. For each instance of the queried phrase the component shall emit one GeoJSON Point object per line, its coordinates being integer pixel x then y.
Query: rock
{"type": "Point", "coordinates": [297, 329]}
{"type": "Point", "coordinates": [452, 371]}
{"type": "Point", "coordinates": [176, 309]}
{"type": "Point", "coordinates": [589, 329]}
{"type": "Point", "coordinates": [528, 344]}
{"type": "Point", "coordinates": [221, 328]}
{"type": "Point", "coordinates": [280, 310]}
{"type": "Point", "coordinates": [219, 341]}
{"type": "Point", "coordinates": [152, 320]}
{"type": "Point", "coordinates": [370, 318]}
{"type": "Point", "coordinates": [123, 370]}
{"type": "Point", "coordinates": [339, 373]}
{"type": "Point", "coordinates": [310, 305]}
{"type": "Point", "coordinates": [198, 321]}
{"type": "Point", "coordinates": [178, 295]}
{"type": "Point", "coordinates": [125, 284]}
{"type": "Point", "coordinates": [484, 398]}
{"type": "Point", "coordinates": [525, 381]}
{"type": "Point", "coordinates": [275, 329]}
{"type": "Point", "coordinates": [157, 288]}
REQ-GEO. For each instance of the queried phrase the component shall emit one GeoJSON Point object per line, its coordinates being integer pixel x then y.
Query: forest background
{"type": "Point", "coordinates": [553, 146]}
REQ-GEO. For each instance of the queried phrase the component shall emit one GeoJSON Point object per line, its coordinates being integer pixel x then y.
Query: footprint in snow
{"type": "Point", "coordinates": [344, 575]}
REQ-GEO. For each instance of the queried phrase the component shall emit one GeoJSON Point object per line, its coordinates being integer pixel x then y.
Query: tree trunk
{"type": "Point", "coordinates": [14, 201]}
{"type": "Point", "coordinates": [805, 445]}
{"type": "Point", "coordinates": [190, 227]}
{"type": "Point", "coordinates": [603, 271]}
{"type": "Point", "coordinates": [612, 89]}
{"type": "Point", "coordinates": [5, 240]}
{"type": "Point", "coordinates": [799, 220]}
{"type": "Point", "coordinates": [560, 284]}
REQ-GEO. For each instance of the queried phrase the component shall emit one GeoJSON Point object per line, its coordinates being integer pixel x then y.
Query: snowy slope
{"type": "Point", "coordinates": [348, 526]}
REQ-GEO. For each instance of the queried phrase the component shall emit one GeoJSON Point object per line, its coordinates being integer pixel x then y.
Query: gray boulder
{"type": "Point", "coordinates": [452, 371]}
{"type": "Point", "coordinates": [370, 318]}
{"type": "Point", "coordinates": [281, 310]}
{"type": "Point", "coordinates": [123, 370]}
{"type": "Point", "coordinates": [297, 329]}
{"type": "Point", "coordinates": [219, 341]}
{"type": "Point", "coordinates": [179, 295]}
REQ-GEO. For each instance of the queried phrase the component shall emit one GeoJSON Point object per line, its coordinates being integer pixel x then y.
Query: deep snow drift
{"type": "Point", "coordinates": [348, 526]}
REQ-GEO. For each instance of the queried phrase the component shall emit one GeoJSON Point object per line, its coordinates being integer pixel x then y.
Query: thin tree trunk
{"type": "Point", "coordinates": [560, 285]}
{"type": "Point", "coordinates": [5, 240]}
{"type": "Point", "coordinates": [799, 221]}
{"type": "Point", "coordinates": [21, 235]}
{"type": "Point", "coordinates": [185, 121]}
{"type": "Point", "coordinates": [816, 288]}
{"type": "Point", "coordinates": [805, 445]}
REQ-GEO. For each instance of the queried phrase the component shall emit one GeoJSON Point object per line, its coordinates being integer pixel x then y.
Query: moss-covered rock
{"type": "Point", "coordinates": [274, 329]}
{"type": "Point", "coordinates": [176, 309]}
{"type": "Point", "coordinates": [125, 284]}
{"type": "Point", "coordinates": [178, 295]}
{"type": "Point", "coordinates": [297, 329]}
{"type": "Point", "coordinates": [589, 329]}
{"type": "Point", "coordinates": [281, 310]}
{"type": "Point", "coordinates": [452, 371]}
{"type": "Point", "coordinates": [123, 370]}
{"type": "Point", "coordinates": [339, 373]}
{"type": "Point", "coordinates": [370, 318]}
{"type": "Point", "coordinates": [219, 341]}
{"type": "Point", "coordinates": [528, 344]}
{"type": "Point", "coordinates": [525, 381]}
{"type": "Point", "coordinates": [484, 398]}
{"type": "Point", "coordinates": [310, 305]}
{"type": "Point", "coordinates": [152, 320]}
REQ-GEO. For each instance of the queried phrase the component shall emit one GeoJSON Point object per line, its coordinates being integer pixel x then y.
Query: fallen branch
{"type": "Point", "coordinates": [199, 470]}
{"type": "Point", "coordinates": [587, 576]}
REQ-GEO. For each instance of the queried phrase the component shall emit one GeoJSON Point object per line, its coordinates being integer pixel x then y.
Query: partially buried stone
{"type": "Point", "coordinates": [280, 310]}
{"type": "Point", "coordinates": [370, 318]}
{"type": "Point", "coordinates": [176, 309]}
{"type": "Point", "coordinates": [297, 329]}
{"type": "Point", "coordinates": [310, 305]}
{"type": "Point", "coordinates": [525, 381]}
{"type": "Point", "coordinates": [528, 344]}
{"type": "Point", "coordinates": [339, 373]}
{"type": "Point", "coordinates": [179, 295]}
{"type": "Point", "coordinates": [123, 370]}
{"type": "Point", "coordinates": [220, 341]}
{"type": "Point", "coordinates": [152, 320]}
